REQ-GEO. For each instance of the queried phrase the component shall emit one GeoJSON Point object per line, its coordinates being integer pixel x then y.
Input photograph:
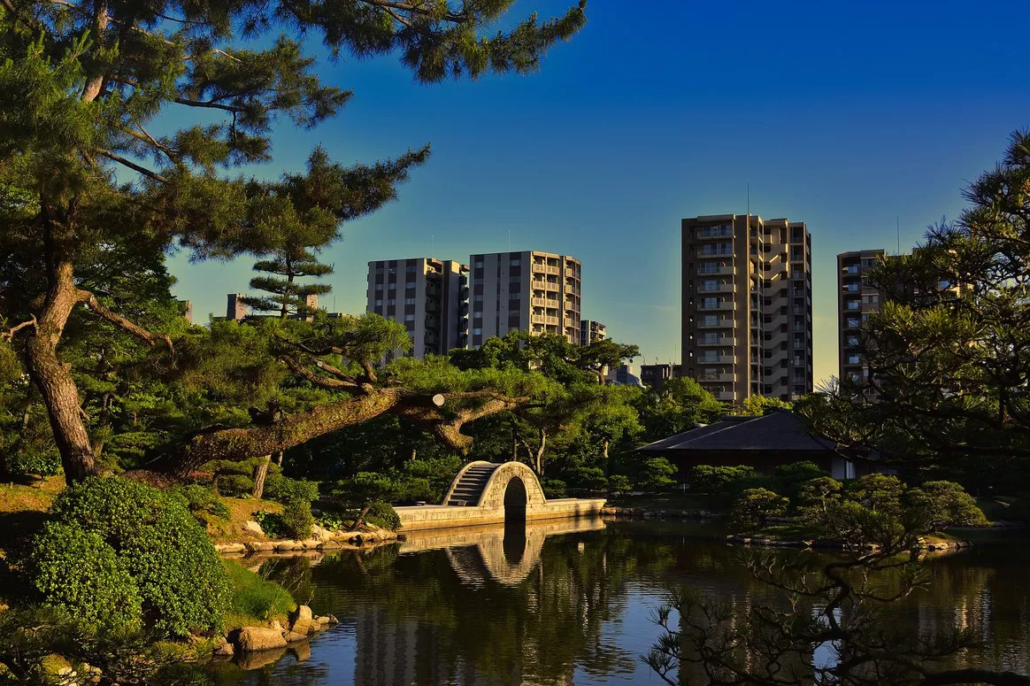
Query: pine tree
{"type": "Point", "coordinates": [288, 296]}
{"type": "Point", "coordinates": [82, 81]}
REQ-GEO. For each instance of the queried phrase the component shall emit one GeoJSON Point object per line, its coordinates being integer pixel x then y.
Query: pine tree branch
{"type": "Point", "coordinates": [150, 338]}
{"type": "Point", "coordinates": [321, 381]}
{"type": "Point", "coordinates": [132, 165]}
{"type": "Point", "coordinates": [9, 334]}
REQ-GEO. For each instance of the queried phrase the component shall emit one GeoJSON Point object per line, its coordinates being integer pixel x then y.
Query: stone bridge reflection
{"type": "Point", "coordinates": [504, 553]}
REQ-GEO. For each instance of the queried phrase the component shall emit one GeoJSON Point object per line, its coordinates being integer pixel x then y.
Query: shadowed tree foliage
{"type": "Point", "coordinates": [949, 350]}
{"type": "Point", "coordinates": [81, 84]}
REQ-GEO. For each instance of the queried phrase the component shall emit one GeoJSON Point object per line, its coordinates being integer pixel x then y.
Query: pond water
{"type": "Point", "coordinates": [571, 602]}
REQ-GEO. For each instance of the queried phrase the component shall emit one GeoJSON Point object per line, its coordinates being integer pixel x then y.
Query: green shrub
{"type": "Point", "coordinates": [271, 523]}
{"type": "Point", "coordinates": [936, 505]}
{"type": "Point", "coordinates": [755, 506]}
{"type": "Point", "coordinates": [364, 487]}
{"type": "Point", "coordinates": [588, 478]}
{"type": "Point", "coordinates": [284, 489]}
{"type": "Point", "coordinates": [799, 471]}
{"type": "Point", "coordinates": [553, 488]}
{"type": "Point", "coordinates": [333, 521]}
{"type": "Point", "coordinates": [235, 485]}
{"type": "Point", "coordinates": [178, 573]}
{"type": "Point", "coordinates": [877, 492]}
{"type": "Point", "coordinates": [31, 461]}
{"type": "Point", "coordinates": [619, 484]}
{"type": "Point", "coordinates": [815, 496]}
{"type": "Point", "coordinates": [79, 572]}
{"type": "Point", "coordinates": [383, 515]}
{"type": "Point", "coordinates": [200, 499]}
{"type": "Point", "coordinates": [255, 596]}
{"type": "Point", "coordinates": [297, 519]}
{"type": "Point", "coordinates": [656, 473]}
{"type": "Point", "coordinates": [706, 478]}
{"type": "Point", "coordinates": [438, 473]}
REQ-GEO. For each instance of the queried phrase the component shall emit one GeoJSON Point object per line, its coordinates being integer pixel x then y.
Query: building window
{"type": "Point", "coordinates": [478, 264]}
{"type": "Point", "coordinates": [478, 314]}
{"type": "Point", "coordinates": [516, 262]}
{"type": "Point", "coordinates": [477, 332]}
{"type": "Point", "coordinates": [478, 281]}
{"type": "Point", "coordinates": [514, 296]}
{"type": "Point", "coordinates": [391, 302]}
{"type": "Point", "coordinates": [409, 317]}
{"type": "Point", "coordinates": [409, 284]}
{"type": "Point", "coordinates": [409, 301]}
{"type": "Point", "coordinates": [379, 302]}
{"type": "Point", "coordinates": [478, 298]}
{"type": "Point", "coordinates": [379, 286]}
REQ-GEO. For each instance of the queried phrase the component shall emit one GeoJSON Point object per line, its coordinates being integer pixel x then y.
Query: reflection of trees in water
{"type": "Point", "coordinates": [418, 621]}
{"type": "Point", "coordinates": [415, 612]}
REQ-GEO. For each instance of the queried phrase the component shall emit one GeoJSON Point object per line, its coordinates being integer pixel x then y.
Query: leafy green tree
{"type": "Point", "coordinates": [679, 406]}
{"type": "Point", "coordinates": [948, 349]}
{"type": "Point", "coordinates": [293, 245]}
{"type": "Point", "coordinates": [814, 497]}
{"type": "Point", "coordinates": [755, 506]}
{"type": "Point", "coordinates": [758, 405]}
{"type": "Point", "coordinates": [936, 505]}
{"type": "Point", "coordinates": [878, 492]}
{"type": "Point", "coordinates": [715, 480]}
{"type": "Point", "coordinates": [82, 82]}
{"type": "Point", "coordinates": [656, 473]}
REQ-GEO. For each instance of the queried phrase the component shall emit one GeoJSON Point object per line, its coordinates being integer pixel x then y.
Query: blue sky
{"type": "Point", "coordinates": [844, 115]}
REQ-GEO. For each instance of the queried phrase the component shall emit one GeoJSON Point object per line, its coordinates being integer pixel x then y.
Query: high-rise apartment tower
{"type": "Point", "coordinates": [428, 296]}
{"type": "Point", "coordinates": [856, 298]}
{"type": "Point", "coordinates": [747, 306]}
{"type": "Point", "coordinates": [529, 291]}
{"type": "Point", "coordinates": [590, 331]}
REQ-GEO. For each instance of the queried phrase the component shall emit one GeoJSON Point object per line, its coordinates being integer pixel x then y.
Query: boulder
{"type": "Point", "coordinates": [230, 548]}
{"type": "Point", "coordinates": [302, 621]}
{"type": "Point", "coordinates": [293, 637]}
{"type": "Point", "coordinates": [252, 527]}
{"type": "Point", "coordinates": [260, 546]}
{"type": "Point", "coordinates": [253, 638]}
{"type": "Point", "coordinates": [286, 545]}
{"type": "Point", "coordinates": [260, 658]}
{"type": "Point", "coordinates": [223, 648]}
{"type": "Point", "coordinates": [277, 626]}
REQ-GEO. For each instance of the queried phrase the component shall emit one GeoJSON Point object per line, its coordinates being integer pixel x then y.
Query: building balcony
{"type": "Point", "coordinates": [717, 306]}
{"type": "Point", "coordinates": [715, 270]}
{"type": "Point", "coordinates": [717, 378]}
{"type": "Point", "coordinates": [715, 359]}
{"type": "Point", "coordinates": [552, 321]}
{"type": "Point", "coordinates": [726, 287]}
{"type": "Point", "coordinates": [704, 254]}
{"type": "Point", "coordinates": [554, 270]}
{"type": "Point", "coordinates": [714, 341]}
{"type": "Point", "coordinates": [712, 232]}
{"type": "Point", "coordinates": [725, 396]}
{"type": "Point", "coordinates": [721, 323]}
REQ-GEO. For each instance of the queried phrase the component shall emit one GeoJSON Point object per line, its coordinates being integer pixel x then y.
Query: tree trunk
{"type": "Point", "coordinates": [54, 380]}
{"type": "Point", "coordinates": [604, 450]}
{"type": "Point", "coordinates": [260, 472]}
{"type": "Point", "coordinates": [540, 453]}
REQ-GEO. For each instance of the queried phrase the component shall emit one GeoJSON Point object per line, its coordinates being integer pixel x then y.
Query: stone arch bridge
{"type": "Point", "coordinates": [494, 493]}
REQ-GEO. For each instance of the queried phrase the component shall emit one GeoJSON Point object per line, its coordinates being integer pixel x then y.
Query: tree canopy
{"type": "Point", "coordinates": [122, 124]}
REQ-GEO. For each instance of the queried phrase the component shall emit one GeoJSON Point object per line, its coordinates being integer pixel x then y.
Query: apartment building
{"type": "Point", "coordinates": [590, 331]}
{"type": "Point", "coordinates": [747, 306]}
{"type": "Point", "coordinates": [655, 375]}
{"type": "Point", "coordinates": [855, 300]}
{"type": "Point", "coordinates": [529, 291]}
{"type": "Point", "coordinates": [428, 296]}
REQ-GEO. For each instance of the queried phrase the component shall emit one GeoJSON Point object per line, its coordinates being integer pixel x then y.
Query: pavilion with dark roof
{"type": "Point", "coordinates": [765, 442]}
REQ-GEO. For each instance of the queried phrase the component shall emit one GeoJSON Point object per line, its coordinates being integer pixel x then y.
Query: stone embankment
{"type": "Point", "coordinates": [265, 644]}
{"type": "Point", "coordinates": [646, 513]}
{"type": "Point", "coordinates": [320, 539]}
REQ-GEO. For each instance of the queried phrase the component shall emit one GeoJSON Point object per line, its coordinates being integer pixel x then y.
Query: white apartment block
{"type": "Point", "coordinates": [428, 296]}
{"type": "Point", "coordinates": [529, 291]}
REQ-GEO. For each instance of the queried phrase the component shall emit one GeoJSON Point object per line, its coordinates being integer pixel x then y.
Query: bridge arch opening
{"type": "Point", "coordinates": [515, 500]}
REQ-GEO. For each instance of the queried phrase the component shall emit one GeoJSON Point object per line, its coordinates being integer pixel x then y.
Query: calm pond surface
{"type": "Point", "coordinates": [570, 602]}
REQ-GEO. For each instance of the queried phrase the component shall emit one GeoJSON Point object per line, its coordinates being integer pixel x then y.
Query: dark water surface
{"type": "Point", "coordinates": [571, 602]}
